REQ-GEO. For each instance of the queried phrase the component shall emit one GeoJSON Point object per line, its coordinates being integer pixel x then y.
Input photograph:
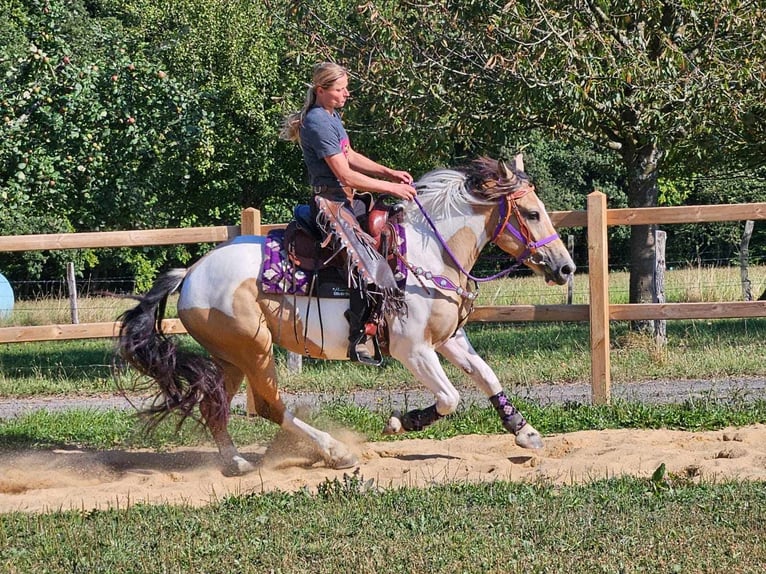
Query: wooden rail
{"type": "Point", "coordinates": [598, 313]}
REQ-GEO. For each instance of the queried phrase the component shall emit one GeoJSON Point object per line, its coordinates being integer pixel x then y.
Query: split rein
{"type": "Point", "coordinates": [507, 208]}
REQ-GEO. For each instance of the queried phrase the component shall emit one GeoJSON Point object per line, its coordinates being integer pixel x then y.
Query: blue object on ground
{"type": "Point", "coordinates": [6, 297]}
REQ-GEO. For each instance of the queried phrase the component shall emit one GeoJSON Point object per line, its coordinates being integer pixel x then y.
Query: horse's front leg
{"type": "Point", "coordinates": [423, 362]}
{"type": "Point", "coordinates": [459, 351]}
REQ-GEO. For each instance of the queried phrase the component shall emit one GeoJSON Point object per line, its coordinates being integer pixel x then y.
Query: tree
{"type": "Point", "coordinates": [234, 55]}
{"type": "Point", "coordinates": [94, 135]}
{"type": "Point", "coordinates": [659, 82]}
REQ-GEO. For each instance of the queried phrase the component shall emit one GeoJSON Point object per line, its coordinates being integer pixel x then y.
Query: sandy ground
{"type": "Point", "coordinates": [63, 480]}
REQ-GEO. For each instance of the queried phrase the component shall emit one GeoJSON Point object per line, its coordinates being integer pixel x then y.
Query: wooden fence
{"type": "Point", "coordinates": [598, 313]}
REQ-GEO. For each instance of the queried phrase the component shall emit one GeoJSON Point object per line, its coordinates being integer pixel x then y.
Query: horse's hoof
{"type": "Point", "coordinates": [394, 424]}
{"type": "Point", "coordinates": [349, 460]}
{"type": "Point", "coordinates": [529, 438]}
{"type": "Point", "coordinates": [237, 466]}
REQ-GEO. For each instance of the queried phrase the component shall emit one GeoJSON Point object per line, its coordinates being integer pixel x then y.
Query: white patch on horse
{"type": "Point", "coordinates": [237, 260]}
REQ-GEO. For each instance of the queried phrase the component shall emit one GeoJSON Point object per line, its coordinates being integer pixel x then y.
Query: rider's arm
{"type": "Point", "coordinates": [360, 162]}
{"type": "Point", "coordinates": [341, 165]}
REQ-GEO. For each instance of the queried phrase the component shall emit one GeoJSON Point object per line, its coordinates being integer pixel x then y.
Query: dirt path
{"type": "Point", "coordinates": [54, 480]}
{"type": "Point", "coordinates": [655, 392]}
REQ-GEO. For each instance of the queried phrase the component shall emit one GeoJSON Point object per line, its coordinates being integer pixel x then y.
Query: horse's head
{"type": "Point", "coordinates": [523, 228]}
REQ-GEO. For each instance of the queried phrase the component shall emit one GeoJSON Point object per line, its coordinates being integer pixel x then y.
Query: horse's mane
{"type": "Point", "coordinates": [447, 192]}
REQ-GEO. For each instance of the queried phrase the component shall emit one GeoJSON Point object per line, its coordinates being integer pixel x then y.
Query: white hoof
{"type": "Point", "coordinates": [347, 461]}
{"type": "Point", "coordinates": [394, 424]}
{"type": "Point", "coordinates": [528, 437]}
{"type": "Point", "coordinates": [237, 466]}
{"type": "Point", "coordinates": [341, 458]}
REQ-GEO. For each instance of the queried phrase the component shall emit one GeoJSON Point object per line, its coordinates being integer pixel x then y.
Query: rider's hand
{"type": "Point", "coordinates": [401, 176]}
{"type": "Point", "coordinates": [403, 191]}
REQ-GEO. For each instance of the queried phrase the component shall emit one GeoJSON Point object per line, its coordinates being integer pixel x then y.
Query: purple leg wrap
{"type": "Point", "coordinates": [513, 420]}
{"type": "Point", "coordinates": [419, 419]}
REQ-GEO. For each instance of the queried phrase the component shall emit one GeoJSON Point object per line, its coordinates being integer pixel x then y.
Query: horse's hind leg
{"type": "Point", "coordinates": [459, 351]}
{"type": "Point", "coordinates": [261, 375]}
{"type": "Point", "coordinates": [233, 462]}
{"type": "Point", "coordinates": [242, 345]}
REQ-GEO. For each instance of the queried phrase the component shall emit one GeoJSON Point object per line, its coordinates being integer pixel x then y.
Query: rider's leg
{"type": "Point", "coordinates": [358, 314]}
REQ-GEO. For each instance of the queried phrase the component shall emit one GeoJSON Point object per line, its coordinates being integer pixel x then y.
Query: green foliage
{"type": "Point", "coordinates": [234, 55]}
{"type": "Point", "coordinates": [473, 74]}
{"type": "Point", "coordinates": [715, 243]}
{"type": "Point", "coordinates": [135, 114]}
{"type": "Point", "coordinates": [658, 82]}
{"type": "Point", "coordinates": [95, 135]}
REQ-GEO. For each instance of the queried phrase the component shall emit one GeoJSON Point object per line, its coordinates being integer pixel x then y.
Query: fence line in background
{"type": "Point", "coordinates": [598, 313]}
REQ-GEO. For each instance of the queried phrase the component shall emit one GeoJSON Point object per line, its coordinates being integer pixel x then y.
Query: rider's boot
{"type": "Point", "coordinates": [357, 315]}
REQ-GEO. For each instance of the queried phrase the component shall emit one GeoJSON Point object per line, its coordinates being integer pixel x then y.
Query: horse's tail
{"type": "Point", "coordinates": [184, 379]}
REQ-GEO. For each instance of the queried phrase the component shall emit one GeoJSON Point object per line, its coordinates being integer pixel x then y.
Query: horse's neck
{"type": "Point", "coordinates": [465, 236]}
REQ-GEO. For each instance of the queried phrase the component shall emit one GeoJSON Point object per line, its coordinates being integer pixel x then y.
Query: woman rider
{"type": "Point", "coordinates": [337, 171]}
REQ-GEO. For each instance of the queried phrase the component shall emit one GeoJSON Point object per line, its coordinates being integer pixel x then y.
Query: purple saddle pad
{"type": "Point", "coordinates": [278, 274]}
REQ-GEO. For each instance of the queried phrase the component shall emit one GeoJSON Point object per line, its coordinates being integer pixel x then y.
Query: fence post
{"type": "Point", "coordinates": [72, 288]}
{"type": "Point", "coordinates": [598, 278]}
{"type": "Point", "coordinates": [250, 225]}
{"type": "Point", "coordinates": [744, 254]}
{"type": "Point", "coordinates": [570, 279]}
{"type": "Point", "coordinates": [251, 222]}
{"type": "Point", "coordinates": [660, 325]}
{"type": "Point", "coordinates": [294, 363]}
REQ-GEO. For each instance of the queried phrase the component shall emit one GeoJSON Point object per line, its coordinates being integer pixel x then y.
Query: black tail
{"type": "Point", "coordinates": [184, 379]}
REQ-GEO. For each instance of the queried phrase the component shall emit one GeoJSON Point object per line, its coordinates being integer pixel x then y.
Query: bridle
{"type": "Point", "coordinates": [507, 205]}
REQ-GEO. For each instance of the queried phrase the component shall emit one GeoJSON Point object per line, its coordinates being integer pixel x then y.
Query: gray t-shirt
{"type": "Point", "coordinates": [322, 135]}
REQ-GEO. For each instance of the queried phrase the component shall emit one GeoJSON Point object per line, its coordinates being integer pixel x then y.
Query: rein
{"type": "Point", "coordinates": [507, 208]}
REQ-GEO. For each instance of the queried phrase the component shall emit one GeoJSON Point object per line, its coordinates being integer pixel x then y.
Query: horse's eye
{"type": "Point", "coordinates": [533, 216]}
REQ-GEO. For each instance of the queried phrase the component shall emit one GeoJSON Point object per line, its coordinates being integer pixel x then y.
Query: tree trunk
{"type": "Point", "coordinates": [642, 166]}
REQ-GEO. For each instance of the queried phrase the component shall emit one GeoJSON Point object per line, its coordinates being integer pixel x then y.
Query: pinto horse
{"type": "Point", "coordinates": [223, 305]}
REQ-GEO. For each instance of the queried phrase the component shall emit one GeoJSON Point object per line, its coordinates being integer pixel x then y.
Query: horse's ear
{"type": "Point", "coordinates": [519, 161]}
{"type": "Point", "coordinates": [503, 172]}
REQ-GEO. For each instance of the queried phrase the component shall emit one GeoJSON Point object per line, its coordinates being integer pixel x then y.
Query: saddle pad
{"type": "Point", "coordinates": [278, 274]}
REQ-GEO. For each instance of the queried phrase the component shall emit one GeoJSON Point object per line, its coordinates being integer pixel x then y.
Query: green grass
{"type": "Point", "coordinates": [99, 429]}
{"type": "Point", "coordinates": [618, 525]}
{"type": "Point", "coordinates": [53, 311]}
{"type": "Point", "coordinates": [57, 367]}
{"type": "Point", "coordinates": [116, 428]}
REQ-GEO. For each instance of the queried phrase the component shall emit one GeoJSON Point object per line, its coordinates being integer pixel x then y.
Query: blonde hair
{"type": "Point", "coordinates": [324, 76]}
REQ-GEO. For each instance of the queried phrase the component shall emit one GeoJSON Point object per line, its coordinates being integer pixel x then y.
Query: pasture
{"type": "Point", "coordinates": [459, 497]}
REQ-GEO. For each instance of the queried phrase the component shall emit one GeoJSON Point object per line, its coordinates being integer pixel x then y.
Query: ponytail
{"type": "Point", "coordinates": [291, 127]}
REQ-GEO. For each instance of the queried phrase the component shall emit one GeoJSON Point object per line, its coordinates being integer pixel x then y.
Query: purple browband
{"type": "Point", "coordinates": [530, 246]}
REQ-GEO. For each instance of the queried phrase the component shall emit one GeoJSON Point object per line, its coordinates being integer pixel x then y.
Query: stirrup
{"type": "Point", "coordinates": [365, 358]}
